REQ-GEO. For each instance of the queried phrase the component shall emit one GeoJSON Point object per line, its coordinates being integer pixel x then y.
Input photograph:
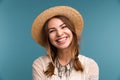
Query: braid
{"type": "Point", "coordinates": [50, 71]}
{"type": "Point", "coordinates": [77, 64]}
{"type": "Point", "coordinates": [50, 68]}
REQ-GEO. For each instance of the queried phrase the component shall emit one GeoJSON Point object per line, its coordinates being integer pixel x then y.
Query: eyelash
{"type": "Point", "coordinates": [63, 27]}
{"type": "Point", "coordinates": [54, 30]}
{"type": "Point", "coordinates": [51, 31]}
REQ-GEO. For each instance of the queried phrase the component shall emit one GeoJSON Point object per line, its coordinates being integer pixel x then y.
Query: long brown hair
{"type": "Point", "coordinates": [52, 51]}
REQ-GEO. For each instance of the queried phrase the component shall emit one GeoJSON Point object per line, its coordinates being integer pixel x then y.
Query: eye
{"type": "Point", "coordinates": [51, 30]}
{"type": "Point", "coordinates": [64, 26]}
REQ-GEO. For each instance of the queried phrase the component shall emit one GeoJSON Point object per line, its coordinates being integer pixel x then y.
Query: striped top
{"type": "Point", "coordinates": [91, 70]}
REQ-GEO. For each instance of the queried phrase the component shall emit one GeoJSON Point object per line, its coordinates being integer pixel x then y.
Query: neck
{"type": "Point", "coordinates": [64, 57]}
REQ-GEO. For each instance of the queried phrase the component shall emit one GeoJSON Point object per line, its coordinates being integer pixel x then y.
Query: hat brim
{"type": "Point", "coordinates": [66, 11]}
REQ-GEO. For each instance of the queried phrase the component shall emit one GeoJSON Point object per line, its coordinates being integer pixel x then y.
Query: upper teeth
{"type": "Point", "coordinates": [62, 39]}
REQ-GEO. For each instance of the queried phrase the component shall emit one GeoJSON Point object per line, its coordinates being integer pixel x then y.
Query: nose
{"type": "Point", "coordinates": [59, 33]}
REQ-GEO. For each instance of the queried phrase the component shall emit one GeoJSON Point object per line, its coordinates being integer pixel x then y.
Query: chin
{"type": "Point", "coordinates": [62, 47]}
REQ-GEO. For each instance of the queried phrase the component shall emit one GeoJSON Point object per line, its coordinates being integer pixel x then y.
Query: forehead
{"type": "Point", "coordinates": [54, 22]}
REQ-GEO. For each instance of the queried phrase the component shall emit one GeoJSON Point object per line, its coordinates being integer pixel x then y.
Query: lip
{"type": "Point", "coordinates": [61, 40]}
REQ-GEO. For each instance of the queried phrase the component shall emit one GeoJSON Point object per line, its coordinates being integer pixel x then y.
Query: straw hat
{"type": "Point", "coordinates": [66, 11]}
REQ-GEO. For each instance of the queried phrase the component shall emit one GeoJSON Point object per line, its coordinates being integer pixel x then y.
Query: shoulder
{"type": "Point", "coordinates": [43, 58]}
{"type": "Point", "coordinates": [89, 63]}
{"type": "Point", "coordinates": [90, 66]}
{"type": "Point", "coordinates": [41, 61]}
{"type": "Point", "coordinates": [87, 60]}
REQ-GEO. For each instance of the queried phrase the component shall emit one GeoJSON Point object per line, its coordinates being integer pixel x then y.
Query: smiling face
{"type": "Point", "coordinates": [60, 36]}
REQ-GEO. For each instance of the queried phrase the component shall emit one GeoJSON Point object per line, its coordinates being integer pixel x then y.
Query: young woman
{"type": "Point", "coordinates": [58, 29]}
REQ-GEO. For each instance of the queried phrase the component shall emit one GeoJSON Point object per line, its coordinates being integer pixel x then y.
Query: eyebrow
{"type": "Point", "coordinates": [54, 28]}
{"type": "Point", "coordinates": [62, 24]}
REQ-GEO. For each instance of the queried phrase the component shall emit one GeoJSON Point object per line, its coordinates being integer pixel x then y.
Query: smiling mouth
{"type": "Point", "coordinates": [61, 40]}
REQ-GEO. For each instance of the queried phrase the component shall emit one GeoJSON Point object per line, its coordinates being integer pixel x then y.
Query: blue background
{"type": "Point", "coordinates": [100, 38]}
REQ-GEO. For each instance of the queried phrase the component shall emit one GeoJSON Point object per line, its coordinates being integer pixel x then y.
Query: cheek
{"type": "Point", "coordinates": [51, 37]}
{"type": "Point", "coordinates": [68, 31]}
